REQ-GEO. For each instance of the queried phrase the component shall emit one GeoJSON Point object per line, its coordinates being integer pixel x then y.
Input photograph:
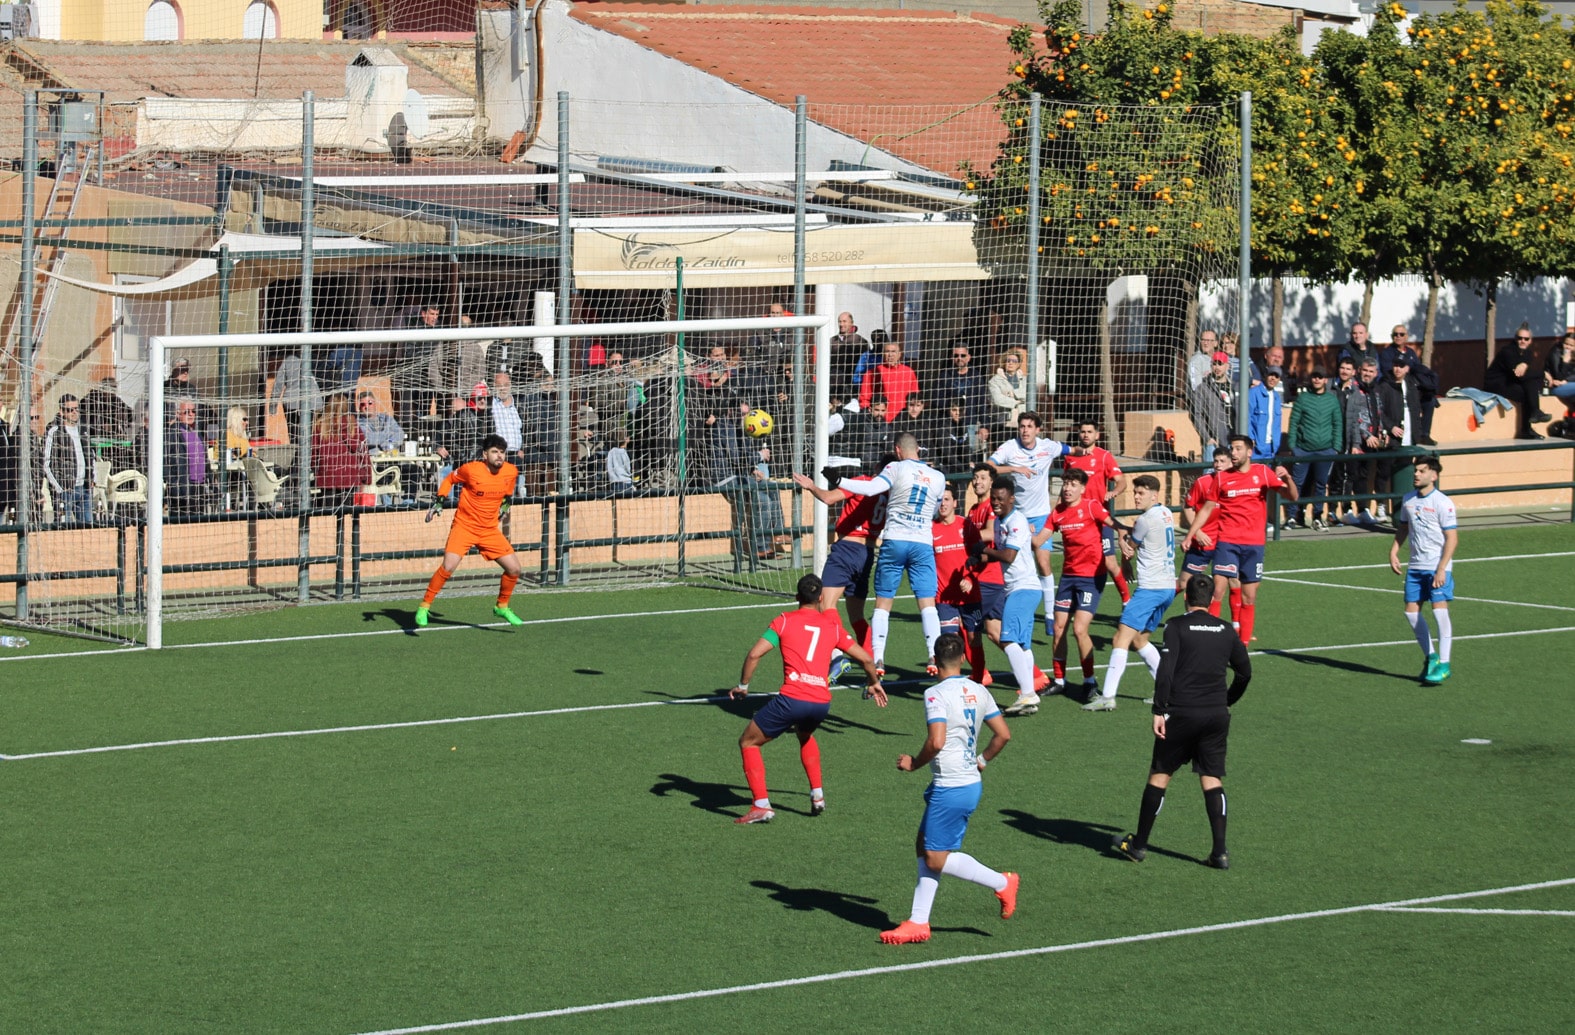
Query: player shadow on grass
{"type": "Point", "coordinates": [720, 798]}
{"type": "Point", "coordinates": [1095, 836]}
{"type": "Point", "coordinates": [405, 619]}
{"type": "Point", "coordinates": [858, 910]}
{"type": "Point", "coordinates": [1339, 663]}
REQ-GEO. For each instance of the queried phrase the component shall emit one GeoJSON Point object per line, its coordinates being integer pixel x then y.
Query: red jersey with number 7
{"type": "Point", "coordinates": [806, 638]}
{"type": "Point", "coordinates": [1244, 503]}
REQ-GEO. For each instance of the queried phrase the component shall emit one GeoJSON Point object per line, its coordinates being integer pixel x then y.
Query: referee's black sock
{"type": "Point", "coordinates": [1153, 801]}
{"type": "Point", "coordinates": [1214, 804]}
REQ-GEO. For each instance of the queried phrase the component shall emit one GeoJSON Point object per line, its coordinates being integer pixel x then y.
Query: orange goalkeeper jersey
{"type": "Point", "coordinates": [483, 496]}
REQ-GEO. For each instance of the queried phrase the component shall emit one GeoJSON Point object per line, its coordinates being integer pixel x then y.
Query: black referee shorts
{"type": "Point", "coordinates": [1197, 737]}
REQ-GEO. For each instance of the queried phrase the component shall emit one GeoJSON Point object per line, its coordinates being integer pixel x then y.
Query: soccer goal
{"type": "Point", "coordinates": [250, 485]}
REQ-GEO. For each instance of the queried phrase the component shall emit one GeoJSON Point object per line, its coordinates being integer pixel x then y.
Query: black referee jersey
{"type": "Point", "coordinates": [1198, 649]}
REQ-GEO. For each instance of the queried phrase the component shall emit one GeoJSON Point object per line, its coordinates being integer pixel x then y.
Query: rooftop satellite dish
{"type": "Point", "coordinates": [416, 119]}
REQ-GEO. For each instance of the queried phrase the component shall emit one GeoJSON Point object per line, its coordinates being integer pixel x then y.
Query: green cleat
{"type": "Point", "coordinates": [504, 613]}
{"type": "Point", "coordinates": [421, 616]}
{"type": "Point", "coordinates": [1441, 672]}
{"type": "Point", "coordinates": [1430, 676]}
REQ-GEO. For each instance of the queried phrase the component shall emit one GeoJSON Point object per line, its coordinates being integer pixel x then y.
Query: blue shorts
{"type": "Point", "coordinates": [1017, 617]}
{"type": "Point", "coordinates": [1107, 540]}
{"type": "Point", "coordinates": [848, 568]}
{"type": "Point", "coordinates": [992, 600]}
{"type": "Point", "coordinates": [946, 812]}
{"type": "Point", "coordinates": [1076, 593]}
{"type": "Point", "coordinates": [1236, 561]}
{"type": "Point", "coordinates": [1036, 524]}
{"type": "Point", "coordinates": [1197, 562]}
{"type": "Point", "coordinates": [781, 714]}
{"type": "Point", "coordinates": [1419, 587]}
{"type": "Point", "coordinates": [1147, 609]}
{"type": "Point", "coordinates": [917, 559]}
{"type": "Point", "coordinates": [969, 617]}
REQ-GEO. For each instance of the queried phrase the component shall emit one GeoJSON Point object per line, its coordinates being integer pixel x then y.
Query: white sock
{"type": "Point", "coordinates": [1118, 665]}
{"type": "Point", "coordinates": [1022, 664]}
{"type": "Point", "coordinates": [924, 894]}
{"type": "Point", "coordinates": [1047, 585]}
{"type": "Point", "coordinates": [1446, 633]}
{"type": "Point", "coordinates": [961, 864]}
{"type": "Point", "coordinates": [762, 803]}
{"type": "Point", "coordinates": [930, 620]}
{"type": "Point", "coordinates": [880, 621]}
{"type": "Point", "coordinates": [1419, 629]}
{"type": "Point", "coordinates": [1150, 655]}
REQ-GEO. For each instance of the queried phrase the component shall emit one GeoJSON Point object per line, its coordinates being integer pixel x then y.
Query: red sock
{"type": "Point", "coordinates": [809, 754]}
{"type": "Point", "coordinates": [435, 586]}
{"type": "Point", "coordinates": [1235, 604]}
{"type": "Point", "coordinates": [1214, 607]}
{"type": "Point", "coordinates": [973, 651]}
{"type": "Point", "coordinates": [861, 632]}
{"type": "Point", "coordinates": [1248, 613]}
{"type": "Point", "coordinates": [1039, 675]}
{"type": "Point", "coordinates": [1121, 586]}
{"type": "Point", "coordinates": [1088, 667]}
{"type": "Point", "coordinates": [506, 588]}
{"type": "Point", "coordinates": [1058, 666]}
{"type": "Point", "coordinates": [755, 773]}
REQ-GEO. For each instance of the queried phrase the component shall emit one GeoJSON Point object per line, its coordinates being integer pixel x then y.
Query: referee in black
{"type": "Point", "coordinates": [1192, 715]}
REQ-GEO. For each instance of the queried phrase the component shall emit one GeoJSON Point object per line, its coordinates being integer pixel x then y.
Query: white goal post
{"type": "Point", "coordinates": [161, 346]}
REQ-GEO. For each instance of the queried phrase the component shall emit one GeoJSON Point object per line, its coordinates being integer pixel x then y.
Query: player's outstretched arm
{"type": "Point", "coordinates": [761, 648]}
{"type": "Point", "coordinates": [830, 497]}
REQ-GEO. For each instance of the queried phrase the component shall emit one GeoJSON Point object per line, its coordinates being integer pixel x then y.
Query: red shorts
{"type": "Point", "coordinates": [492, 543]}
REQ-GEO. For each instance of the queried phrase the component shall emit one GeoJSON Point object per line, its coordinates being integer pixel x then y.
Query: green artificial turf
{"type": "Point", "coordinates": [583, 853]}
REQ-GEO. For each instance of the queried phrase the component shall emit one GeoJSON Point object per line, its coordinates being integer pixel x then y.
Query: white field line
{"type": "Point", "coordinates": [843, 975]}
{"type": "Point", "coordinates": [1458, 560]}
{"type": "Point", "coordinates": [1482, 912]}
{"type": "Point", "coordinates": [1398, 589]}
{"type": "Point", "coordinates": [1409, 641]}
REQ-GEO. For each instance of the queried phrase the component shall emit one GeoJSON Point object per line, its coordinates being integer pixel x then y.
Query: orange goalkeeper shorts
{"type": "Point", "coordinates": [492, 543]}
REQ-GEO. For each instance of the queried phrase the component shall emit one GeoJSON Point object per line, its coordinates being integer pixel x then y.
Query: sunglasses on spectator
{"type": "Point", "coordinates": [1522, 337]}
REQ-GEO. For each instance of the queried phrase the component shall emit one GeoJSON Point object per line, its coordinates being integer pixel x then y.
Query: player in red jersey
{"type": "Point", "coordinates": [1105, 483]}
{"type": "Point", "coordinates": [957, 598]}
{"type": "Point", "coordinates": [846, 573]}
{"type": "Point", "coordinates": [806, 636]}
{"type": "Point", "coordinates": [1081, 519]}
{"type": "Point", "coordinates": [1243, 494]}
{"type": "Point", "coordinates": [1199, 560]}
{"type": "Point", "coordinates": [489, 484]}
{"type": "Point", "coordinates": [989, 582]}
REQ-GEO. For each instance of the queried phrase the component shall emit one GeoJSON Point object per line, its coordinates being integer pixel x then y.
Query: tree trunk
{"type": "Point", "coordinates": [1434, 282]}
{"type": "Point", "coordinates": [1367, 303]}
{"type": "Point", "coordinates": [1490, 335]}
{"type": "Point", "coordinates": [1108, 380]}
{"type": "Point", "coordinates": [1277, 312]}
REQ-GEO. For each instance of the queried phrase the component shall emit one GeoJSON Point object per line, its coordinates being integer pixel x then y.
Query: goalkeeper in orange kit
{"type": "Point", "coordinates": [489, 485]}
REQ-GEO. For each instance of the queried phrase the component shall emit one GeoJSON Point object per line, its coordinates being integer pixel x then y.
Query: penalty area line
{"type": "Point", "coordinates": [954, 961]}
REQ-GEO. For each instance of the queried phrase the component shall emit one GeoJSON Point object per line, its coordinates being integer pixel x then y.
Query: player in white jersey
{"type": "Point", "coordinates": [1152, 541]}
{"type": "Point", "coordinates": [1028, 458]}
{"type": "Point", "coordinates": [956, 710]}
{"type": "Point", "coordinates": [1012, 550]}
{"type": "Point", "coordinates": [1427, 517]}
{"type": "Point", "coordinates": [913, 497]}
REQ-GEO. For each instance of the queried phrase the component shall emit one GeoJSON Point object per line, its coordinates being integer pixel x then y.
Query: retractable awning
{"type": "Point", "coordinates": [760, 257]}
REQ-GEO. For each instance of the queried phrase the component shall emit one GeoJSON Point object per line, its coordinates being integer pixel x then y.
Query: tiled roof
{"type": "Point", "coordinates": [883, 76]}
{"type": "Point", "coordinates": [284, 68]}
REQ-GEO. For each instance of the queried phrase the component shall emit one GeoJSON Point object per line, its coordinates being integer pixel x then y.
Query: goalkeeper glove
{"type": "Point", "coordinates": [435, 509]}
{"type": "Point", "coordinates": [503, 508]}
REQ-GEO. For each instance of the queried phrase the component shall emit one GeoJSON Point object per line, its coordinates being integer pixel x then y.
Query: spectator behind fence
{"type": "Point", "coordinates": [966, 382]}
{"type": "Point", "coordinates": [186, 484]}
{"type": "Point", "coordinates": [541, 429]}
{"type": "Point", "coordinates": [1317, 430]}
{"type": "Point", "coordinates": [892, 380]}
{"type": "Point", "coordinates": [869, 435]}
{"type": "Point", "coordinates": [294, 387]}
{"type": "Point", "coordinates": [1344, 386]}
{"type": "Point", "coordinates": [1514, 374]}
{"type": "Point", "coordinates": [1263, 414]}
{"type": "Point", "coordinates": [505, 419]}
{"type": "Point", "coordinates": [1009, 391]}
{"type": "Point", "coordinates": [237, 431]}
{"type": "Point", "coordinates": [1358, 349]}
{"type": "Point", "coordinates": [178, 385]}
{"type": "Point", "coordinates": [1212, 403]}
{"type": "Point", "coordinates": [459, 437]}
{"type": "Point", "coordinates": [961, 443]}
{"type": "Point", "coordinates": [1422, 376]}
{"type": "Point", "coordinates": [1198, 364]}
{"type": "Point", "coordinates": [454, 366]}
{"type": "Point", "coordinates": [380, 430]}
{"type": "Point", "coordinates": [846, 346]}
{"type": "Point", "coordinates": [68, 464]}
{"type": "Point", "coordinates": [916, 418]}
{"type": "Point", "coordinates": [620, 470]}
{"type": "Point", "coordinates": [1558, 371]}
{"type": "Point", "coordinates": [870, 357]}
{"type": "Point", "coordinates": [340, 462]}
{"type": "Point", "coordinates": [1365, 433]}
{"type": "Point", "coordinates": [413, 397]}
{"type": "Point", "coordinates": [104, 415]}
